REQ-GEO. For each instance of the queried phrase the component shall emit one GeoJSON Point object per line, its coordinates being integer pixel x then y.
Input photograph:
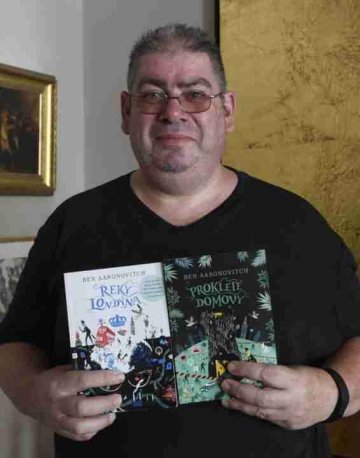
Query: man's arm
{"type": "Point", "coordinates": [346, 361]}
{"type": "Point", "coordinates": [295, 397]}
{"type": "Point", "coordinates": [51, 395]}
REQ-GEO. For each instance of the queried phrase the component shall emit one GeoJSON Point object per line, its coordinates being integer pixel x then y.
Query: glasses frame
{"type": "Point", "coordinates": [163, 103]}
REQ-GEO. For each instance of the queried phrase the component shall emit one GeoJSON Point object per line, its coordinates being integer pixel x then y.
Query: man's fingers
{"type": "Point", "coordinates": [253, 395]}
{"type": "Point", "coordinates": [82, 438]}
{"type": "Point", "coordinates": [83, 428]}
{"type": "Point", "coordinates": [271, 375]}
{"type": "Point", "coordinates": [74, 381]}
{"type": "Point", "coordinates": [273, 415]}
{"type": "Point", "coordinates": [82, 406]}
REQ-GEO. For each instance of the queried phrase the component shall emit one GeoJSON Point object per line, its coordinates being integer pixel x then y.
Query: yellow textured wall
{"type": "Point", "coordinates": [295, 66]}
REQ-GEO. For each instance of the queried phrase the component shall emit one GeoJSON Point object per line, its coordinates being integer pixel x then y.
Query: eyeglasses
{"type": "Point", "coordinates": [153, 102]}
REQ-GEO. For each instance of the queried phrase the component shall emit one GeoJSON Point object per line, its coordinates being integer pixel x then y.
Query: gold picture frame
{"type": "Point", "coordinates": [27, 132]}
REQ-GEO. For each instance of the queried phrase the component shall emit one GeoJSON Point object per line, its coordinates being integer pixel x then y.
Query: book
{"type": "Point", "coordinates": [219, 310]}
{"type": "Point", "coordinates": [171, 327]}
{"type": "Point", "coordinates": [118, 321]}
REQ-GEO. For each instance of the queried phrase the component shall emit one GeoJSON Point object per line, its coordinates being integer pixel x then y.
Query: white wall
{"type": "Point", "coordinates": [47, 36]}
{"type": "Point", "coordinates": [110, 29]}
{"type": "Point", "coordinates": [85, 44]}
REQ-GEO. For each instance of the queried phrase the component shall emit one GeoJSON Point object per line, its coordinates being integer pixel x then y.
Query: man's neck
{"type": "Point", "coordinates": [185, 201]}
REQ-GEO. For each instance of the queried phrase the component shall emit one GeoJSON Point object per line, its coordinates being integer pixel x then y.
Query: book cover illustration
{"type": "Point", "coordinates": [219, 310]}
{"type": "Point", "coordinates": [118, 321]}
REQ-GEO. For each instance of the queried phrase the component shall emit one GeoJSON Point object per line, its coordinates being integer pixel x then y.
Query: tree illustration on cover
{"type": "Point", "coordinates": [219, 310]}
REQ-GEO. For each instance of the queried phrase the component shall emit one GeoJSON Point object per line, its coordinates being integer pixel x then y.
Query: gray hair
{"type": "Point", "coordinates": [176, 37]}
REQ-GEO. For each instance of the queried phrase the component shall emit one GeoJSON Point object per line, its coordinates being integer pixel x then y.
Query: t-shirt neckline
{"type": "Point", "coordinates": [153, 218]}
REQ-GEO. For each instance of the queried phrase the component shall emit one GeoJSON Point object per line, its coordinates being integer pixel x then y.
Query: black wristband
{"type": "Point", "coordinates": [343, 398]}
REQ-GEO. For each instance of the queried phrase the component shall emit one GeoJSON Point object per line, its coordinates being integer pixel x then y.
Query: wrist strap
{"type": "Point", "coordinates": [343, 398]}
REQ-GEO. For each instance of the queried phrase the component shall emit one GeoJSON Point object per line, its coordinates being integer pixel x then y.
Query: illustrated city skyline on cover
{"type": "Point", "coordinates": [220, 310]}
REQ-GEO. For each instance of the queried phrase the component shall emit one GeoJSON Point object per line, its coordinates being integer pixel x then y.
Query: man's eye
{"type": "Point", "coordinates": [194, 95]}
{"type": "Point", "coordinates": [152, 97]}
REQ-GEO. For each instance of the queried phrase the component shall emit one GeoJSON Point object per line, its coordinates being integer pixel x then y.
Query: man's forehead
{"type": "Point", "coordinates": [184, 69]}
{"type": "Point", "coordinates": [184, 82]}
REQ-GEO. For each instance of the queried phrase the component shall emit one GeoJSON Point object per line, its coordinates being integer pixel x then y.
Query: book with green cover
{"type": "Point", "coordinates": [219, 310]}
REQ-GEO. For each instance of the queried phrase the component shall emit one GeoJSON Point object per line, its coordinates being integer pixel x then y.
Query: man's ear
{"type": "Point", "coordinates": [125, 101]}
{"type": "Point", "coordinates": [229, 110]}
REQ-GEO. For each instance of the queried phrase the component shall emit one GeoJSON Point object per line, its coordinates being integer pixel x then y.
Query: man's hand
{"type": "Point", "coordinates": [52, 398]}
{"type": "Point", "coordinates": [291, 397]}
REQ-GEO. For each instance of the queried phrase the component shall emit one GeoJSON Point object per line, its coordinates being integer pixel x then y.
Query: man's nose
{"type": "Point", "coordinates": [172, 110]}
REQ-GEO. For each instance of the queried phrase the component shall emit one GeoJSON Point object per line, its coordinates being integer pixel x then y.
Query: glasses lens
{"type": "Point", "coordinates": [194, 102]}
{"type": "Point", "coordinates": [150, 102]}
{"type": "Point", "coordinates": [154, 102]}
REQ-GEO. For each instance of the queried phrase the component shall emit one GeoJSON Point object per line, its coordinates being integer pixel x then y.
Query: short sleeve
{"type": "Point", "coordinates": [29, 318]}
{"type": "Point", "coordinates": [348, 303]}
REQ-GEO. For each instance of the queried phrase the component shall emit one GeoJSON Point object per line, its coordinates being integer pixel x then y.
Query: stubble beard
{"type": "Point", "coordinates": [176, 177]}
{"type": "Point", "coordinates": [172, 160]}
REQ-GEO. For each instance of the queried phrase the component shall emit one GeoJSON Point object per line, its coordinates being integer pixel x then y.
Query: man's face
{"type": "Point", "coordinates": [174, 141]}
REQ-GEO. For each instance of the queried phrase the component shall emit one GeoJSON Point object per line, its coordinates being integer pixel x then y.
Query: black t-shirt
{"type": "Point", "coordinates": [313, 288]}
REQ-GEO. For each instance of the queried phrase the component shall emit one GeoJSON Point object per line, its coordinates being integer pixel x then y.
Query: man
{"type": "Point", "coordinates": [182, 202]}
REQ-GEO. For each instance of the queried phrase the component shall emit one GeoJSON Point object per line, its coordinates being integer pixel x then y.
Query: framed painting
{"type": "Point", "coordinates": [13, 254]}
{"type": "Point", "coordinates": [27, 132]}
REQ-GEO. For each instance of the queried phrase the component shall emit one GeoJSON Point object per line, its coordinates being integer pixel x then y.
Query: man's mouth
{"type": "Point", "coordinates": [173, 138]}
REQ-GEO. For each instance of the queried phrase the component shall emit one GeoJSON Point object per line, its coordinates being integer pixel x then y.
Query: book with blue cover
{"type": "Point", "coordinates": [220, 310]}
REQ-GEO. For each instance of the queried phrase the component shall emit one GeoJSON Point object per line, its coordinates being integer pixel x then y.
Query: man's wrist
{"type": "Point", "coordinates": [343, 395]}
